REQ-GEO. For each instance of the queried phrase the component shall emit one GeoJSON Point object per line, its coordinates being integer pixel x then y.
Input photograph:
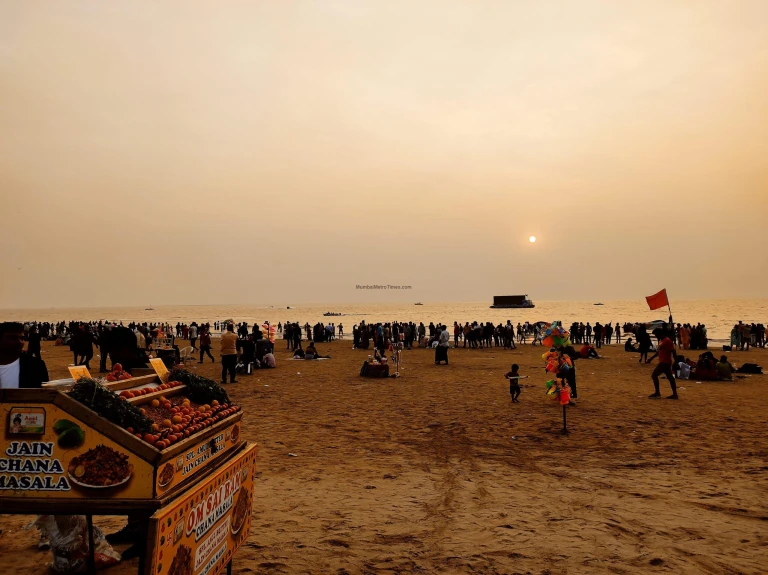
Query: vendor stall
{"type": "Point", "coordinates": [167, 452]}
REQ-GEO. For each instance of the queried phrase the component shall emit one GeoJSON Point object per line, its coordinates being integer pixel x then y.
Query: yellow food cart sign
{"type": "Point", "coordinates": [78, 371]}
{"type": "Point", "coordinates": [198, 533]}
{"type": "Point", "coordinates": [47, 452]}
{"type": "Point", "coordinates": [160, 369]}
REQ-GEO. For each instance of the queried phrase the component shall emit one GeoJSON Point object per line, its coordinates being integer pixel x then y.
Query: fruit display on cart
{"type": "Point", "coordinates": [161, 415]}
{"type": "Point", "coordinates": [117, 374]}
{"type": "Point", "coordinates": [176, 418]}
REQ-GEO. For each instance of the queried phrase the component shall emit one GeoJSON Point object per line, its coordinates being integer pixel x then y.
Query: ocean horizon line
{"type": "Point", "coordinates": [389, 302]}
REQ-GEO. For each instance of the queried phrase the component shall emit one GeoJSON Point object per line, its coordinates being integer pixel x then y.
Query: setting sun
{"type": "Point", "coordinates": [532, 239]}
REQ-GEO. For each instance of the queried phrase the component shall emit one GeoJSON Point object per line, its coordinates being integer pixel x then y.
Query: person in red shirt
{"type": "Point", "coordinates": [587, 352]}
{"type": "Point", "coordinates": [667, 356]}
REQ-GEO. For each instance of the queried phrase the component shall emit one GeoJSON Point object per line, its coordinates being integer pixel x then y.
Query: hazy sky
{"type": "Point", "coordinates": [284, 151]}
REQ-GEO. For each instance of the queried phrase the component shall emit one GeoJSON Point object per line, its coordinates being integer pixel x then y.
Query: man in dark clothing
{"type": "Point", "coordinates": [598, 331]}
{"type": "Point", "coordinates": [33, 345]}
{"type": "Point", "coordinates": [104, 348]}
{"type": "Point", "coordinates": [18, 370]}
{"type": "Point", "coordinates": [123, 349]}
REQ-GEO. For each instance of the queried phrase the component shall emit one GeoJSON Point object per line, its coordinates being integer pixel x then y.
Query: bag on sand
{"type": "Point", "coordinates": [69, 543]}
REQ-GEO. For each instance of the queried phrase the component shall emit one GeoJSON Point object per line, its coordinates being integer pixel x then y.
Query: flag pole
{"type": "Point", "coordinates": [671, 321]}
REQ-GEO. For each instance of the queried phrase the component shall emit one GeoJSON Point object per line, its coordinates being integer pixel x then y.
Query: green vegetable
{"type": "Point", "coordinates": [71, 438]}
{"type": "Point", "coordinates": [109, 406]}
{"type": "Point", "coordinates": [199, 389]}
{"type": "Point", "coordinates": [62, 425]}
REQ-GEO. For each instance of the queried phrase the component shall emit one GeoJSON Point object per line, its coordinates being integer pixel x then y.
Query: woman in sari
{"type": "Point", "coordinates": [735, 336]}
{"type": "Point", "coordinates": [685, 336]}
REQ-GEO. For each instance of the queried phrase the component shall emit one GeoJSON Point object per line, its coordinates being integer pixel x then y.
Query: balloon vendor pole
{"type": "Point", "coordinates": [565, 422]}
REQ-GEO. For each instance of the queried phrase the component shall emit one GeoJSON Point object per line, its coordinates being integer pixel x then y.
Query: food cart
{"type": "Point", "coordinates": [187, 480]}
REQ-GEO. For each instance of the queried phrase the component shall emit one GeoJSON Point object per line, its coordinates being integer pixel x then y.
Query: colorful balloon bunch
{"type": "Point", "coordinates": [557, 389]}
{"type": "Point", "coordinates": [270, 331]}
{"type": "Point", "coordinates": [558, 363]}
{"type": "Point", "coordinates": [555, 335]}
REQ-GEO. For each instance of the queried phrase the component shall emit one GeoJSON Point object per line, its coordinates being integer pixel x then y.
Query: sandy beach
{"type": "Point", "coordinates": [438, 472]}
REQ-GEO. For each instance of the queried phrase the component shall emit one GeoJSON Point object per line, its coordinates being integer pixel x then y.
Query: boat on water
{"type": "Point", "coordinates": [598, 304]}
{"type": "Point", "coordinates": [150, 308]}
{"type": "Point", "coordinates": [331, 314]}
{"type": "Point", "coordinates": [418, 303]}
{"type": "Point", "coordinates": [512, 302]}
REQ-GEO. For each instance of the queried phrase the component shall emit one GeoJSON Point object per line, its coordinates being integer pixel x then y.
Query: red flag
{"type": "Point", "coordinates": [657, 300]}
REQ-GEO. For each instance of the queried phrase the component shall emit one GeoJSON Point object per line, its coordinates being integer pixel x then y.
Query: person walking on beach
{"type": "Point", "coordinates": [617, 331]}
{"type": "Point", "coordinates": [667, 357]}
{"type": "Point", "coordinates": [228, 354]}
{"type": "Point", "coordinates": [193, 336]}
{"type": "Point", "coordinates": [514, 382]}
{"type": "Point", "coordinates": [643, 343]}
{"type": "Point", "coordinates": [205, 345]}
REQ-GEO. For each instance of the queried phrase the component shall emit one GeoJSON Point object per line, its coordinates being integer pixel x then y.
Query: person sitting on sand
{"type": "Point", "coordinates": [706, 367]}
{"type": "Point", "coordinates": [268, 361]}
{"type": "Point", "coordinates": [683, 368]}
{"type": "Point", "coordinates": [311, 352]}
{"type": "Point", "coordinates": [588, 352]}
{"type": "Point", "coordinates": [725, 369]}
{"type": "Point", "coordinates": [514, 382]}
{"type": "Point", "coordinates": [298, 353]}
{"type": "Point", "coordinates": [629, 346]}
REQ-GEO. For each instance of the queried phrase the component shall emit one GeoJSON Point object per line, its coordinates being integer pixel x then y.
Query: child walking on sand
{"type": "Point", "coordinates": [514, 382]}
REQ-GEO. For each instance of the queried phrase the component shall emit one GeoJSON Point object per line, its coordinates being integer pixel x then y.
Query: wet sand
{"type": "Point", "coordinates": [438, 472]}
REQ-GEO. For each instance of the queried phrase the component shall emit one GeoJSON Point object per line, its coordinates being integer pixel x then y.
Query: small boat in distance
{"type": "Point", "coordinates": [598, 304]}
{"type": "Point", "coordinates": [512, 302]}
{"type": "Point", "coordinates": [418, 303]}
{"type": "Point", "coordinates": [331, 314]}
{"type": "Point", "coordinates": [150, 308]}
